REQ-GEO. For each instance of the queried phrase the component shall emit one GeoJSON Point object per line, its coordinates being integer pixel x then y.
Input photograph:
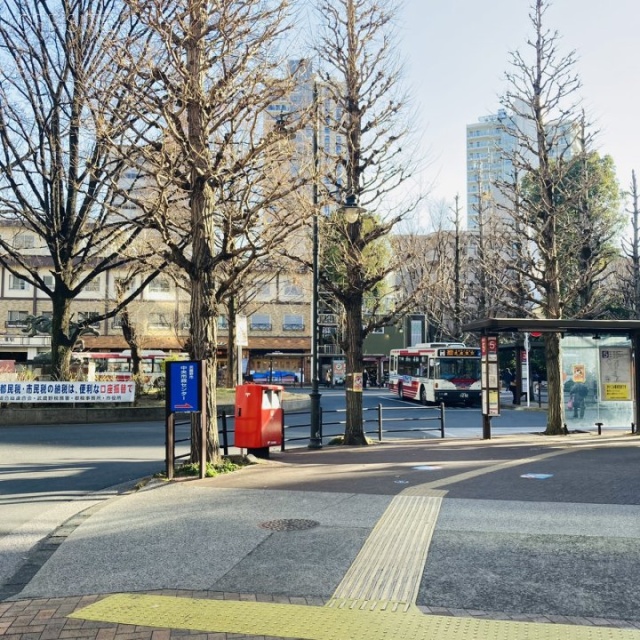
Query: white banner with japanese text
{"type": "Point", "coordinates": [54, 391]}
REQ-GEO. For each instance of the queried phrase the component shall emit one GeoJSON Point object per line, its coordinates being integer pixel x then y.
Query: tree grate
{"type": "Point", "coordinates": [289, 525]}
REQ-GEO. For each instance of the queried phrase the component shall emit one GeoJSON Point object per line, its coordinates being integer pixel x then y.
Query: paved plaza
{"type": "Point", "coordinates": [516, 537]}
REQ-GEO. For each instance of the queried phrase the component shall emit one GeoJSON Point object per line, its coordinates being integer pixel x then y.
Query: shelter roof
{"type": "Point", "coordinates": [533, 325]}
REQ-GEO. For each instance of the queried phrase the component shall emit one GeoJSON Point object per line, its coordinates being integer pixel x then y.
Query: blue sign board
{"type": "Point", "coordinates": [183, 387]}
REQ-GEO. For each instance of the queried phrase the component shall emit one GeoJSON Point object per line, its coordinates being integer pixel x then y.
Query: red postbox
{"type": "Point", "coordinates": [259, 417]}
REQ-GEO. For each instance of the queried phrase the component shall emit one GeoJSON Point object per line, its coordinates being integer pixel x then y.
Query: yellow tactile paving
{"type": "Point", "coordinates": [390, 564]}
{"type": "Point", "coordinates": [325, 623]}
{"type": "Point", "coordinates": [374, 601]}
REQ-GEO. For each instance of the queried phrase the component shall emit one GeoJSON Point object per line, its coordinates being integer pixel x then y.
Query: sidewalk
{"type": "Point", "coordinates": [517, 537]}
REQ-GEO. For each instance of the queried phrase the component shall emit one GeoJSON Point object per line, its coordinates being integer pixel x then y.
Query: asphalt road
{"type": "Point", "coordinates": [49, 473]}
{"type": "Point", "coordinates": [42, 467]}
{"type": "Point", "coordinates": [460, 422]}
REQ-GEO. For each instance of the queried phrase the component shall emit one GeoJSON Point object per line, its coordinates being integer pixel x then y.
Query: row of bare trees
{"type": "Point", "coordinates": [133, 133]}
{"type": "Point", "coordinates": [545, 239]}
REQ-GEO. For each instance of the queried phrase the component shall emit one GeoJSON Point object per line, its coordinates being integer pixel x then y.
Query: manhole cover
{"type": "Point", "coordinates": [289, 525]}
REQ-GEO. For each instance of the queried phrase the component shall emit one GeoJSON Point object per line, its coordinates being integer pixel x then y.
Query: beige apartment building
{"type": "Point", "coordinates": [278, 315]}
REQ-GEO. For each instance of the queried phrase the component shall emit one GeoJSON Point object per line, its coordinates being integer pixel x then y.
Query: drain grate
{"type": "Point", "coordinates": [289, 525]}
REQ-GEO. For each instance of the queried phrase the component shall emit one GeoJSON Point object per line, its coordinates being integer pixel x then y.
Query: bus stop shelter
{"type": "Point", "coordinates": [629, 329]}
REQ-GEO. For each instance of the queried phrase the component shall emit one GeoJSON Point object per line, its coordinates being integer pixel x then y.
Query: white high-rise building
{"type": "Point", "coordinates": [491, 146]}
{"type": "Point", "coordinates": [310, 94]}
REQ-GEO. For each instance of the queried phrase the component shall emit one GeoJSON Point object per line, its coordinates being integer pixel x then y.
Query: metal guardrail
{"type": "Point", "coordinates": [171, 442]}
{"type": "Point", "coordinates": [224, 431]}
{"type": "Point", "coordinates": [376, 417]}
{"type": "Point", "coordinates": [439, 418]}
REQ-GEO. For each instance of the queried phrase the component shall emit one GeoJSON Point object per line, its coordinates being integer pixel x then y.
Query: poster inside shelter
{"type": "Point", "coordinates": [615, 373]}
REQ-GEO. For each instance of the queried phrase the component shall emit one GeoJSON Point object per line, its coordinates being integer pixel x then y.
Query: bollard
{"type": "Point", "coordinates": [225, 434]}
{"type": "Point", "coordinates": [599, 425]}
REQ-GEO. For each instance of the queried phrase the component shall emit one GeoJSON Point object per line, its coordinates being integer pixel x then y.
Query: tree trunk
{"type": "Point", "coordinates": [61, 347]}
{"type": "Point", "coordinates": [555, 414]}
{"type": "Point", "coordinates": [203, 347]}
{"type": "Point", "coordinates": [130, 335]}
{"type": "Point", "coordinates": [354, 429]}
{"type": "Point", "coordinates": [204, 312]}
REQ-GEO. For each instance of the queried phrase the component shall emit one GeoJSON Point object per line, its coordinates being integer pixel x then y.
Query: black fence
{"type": "Point", "coordinates": [378, 422]}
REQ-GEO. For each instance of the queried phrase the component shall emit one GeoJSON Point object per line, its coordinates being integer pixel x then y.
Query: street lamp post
{"type": "Point", "coordinates": [315, 439]}
{"type": "Point", "coordinates": [351, 210]}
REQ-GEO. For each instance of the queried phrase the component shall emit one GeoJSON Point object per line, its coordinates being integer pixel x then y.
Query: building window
{"type": "Point", "coordinates": [292, 322]}
{"type": "Point", "coordinates": [379, 330]}
{"type": "Point", "coordinates": [186, 321]}
{"type": "Point", "coordinates": [260, 322]}
{"type": "Point", "coordinates": [291, 290]}
{"type": "Point", "coordinates": [223, 323]}
{"type": "Point", "coordinates": [93, 285]}
{"type": "Point", "coordinates": [18, 284]}
{"type": "Point", "coordinates": [17, 319]}
{"type": "Point", "coordinates": [160, 285]}
{"type": "Point", "coordinates": [23, 241]}
{"type": "Point", "coordinates": [48, 281]}
{"type": "Point", "coordinates": [415, 329]}
{"type": "Point", "coordinates": [159, 321]}
{"type": "Point", "coordinates": [89, 315]}
{"type": "Point", "coordinates": [264, 292]}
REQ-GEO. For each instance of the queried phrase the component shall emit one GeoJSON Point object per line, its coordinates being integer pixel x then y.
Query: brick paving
{"type": "Point", "coordinates": [46, 619]}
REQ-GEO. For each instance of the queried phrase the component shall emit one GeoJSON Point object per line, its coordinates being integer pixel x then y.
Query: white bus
{"type": "Point", "coordinates": [436, 372]}
{"type": "Point", "coordinates": [117, 366]}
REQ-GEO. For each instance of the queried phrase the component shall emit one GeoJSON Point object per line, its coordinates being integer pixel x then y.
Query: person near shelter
{"type": "Point", "coordinates": [579, 393]}
{"type": "Point", "coordinates": [507, 377]}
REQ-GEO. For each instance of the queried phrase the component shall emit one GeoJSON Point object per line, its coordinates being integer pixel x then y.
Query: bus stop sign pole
{"type": "Point", "coordinates": [490, 382]}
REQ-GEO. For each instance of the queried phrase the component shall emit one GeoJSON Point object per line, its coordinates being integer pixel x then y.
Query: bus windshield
{"type": "Point", "coordinates": [458, 369]}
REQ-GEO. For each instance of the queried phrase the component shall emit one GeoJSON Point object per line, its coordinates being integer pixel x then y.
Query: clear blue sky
{"type": "Point", "coordinates": [456, 53]}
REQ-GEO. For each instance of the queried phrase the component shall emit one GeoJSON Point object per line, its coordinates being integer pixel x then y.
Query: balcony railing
{"type": "Point", "coordinates": [327, 319]}
{"type": "Point", "coordinates": [260, 326]}
{"type": "Point", "coordinates": [28, 341]}
{"type": "Point", "coordinates": [15, 323]}
{"type": "Point", "coordinates": [329, 349]}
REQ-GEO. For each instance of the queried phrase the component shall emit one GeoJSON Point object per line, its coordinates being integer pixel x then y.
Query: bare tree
{"type": "Point", "coordinates": [440, 261]}
{"type": "Point", "coordinates": [541, 98]}
{"type": "Point", "coordinates": [631, 275]}
{"type": "Point", "coordinates": [59, 65]}
{"type": "Point", "coordinates": [359, 69]}
{"type": "Point", "coordinates": [212, 158]}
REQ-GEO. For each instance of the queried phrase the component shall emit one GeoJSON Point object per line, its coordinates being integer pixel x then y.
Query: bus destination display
{"type": "Point", "coordinates": [459, 353]}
